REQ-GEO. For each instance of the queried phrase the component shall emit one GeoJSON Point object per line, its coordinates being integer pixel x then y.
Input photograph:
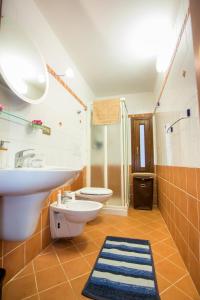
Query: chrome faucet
{"type": "Point", "coordinates": [20, 157]}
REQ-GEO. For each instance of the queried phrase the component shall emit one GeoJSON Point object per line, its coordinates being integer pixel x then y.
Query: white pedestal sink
{"type": "Point", "coordinates": [22, 192]}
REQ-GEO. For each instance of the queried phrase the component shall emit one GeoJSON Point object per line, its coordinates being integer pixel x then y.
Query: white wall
{"type": "Point", "coordinates": [67, 144]}
{"type": "Point", "coordinates": [182, 146]}
{"type": "Point", "coordinates": [140, 103]}
{"type": "Point", "coordinates": [137, 103]}
{"type": "Point", "coordinates": [181, 12]}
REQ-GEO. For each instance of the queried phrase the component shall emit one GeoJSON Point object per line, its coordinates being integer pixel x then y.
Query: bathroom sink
{"type": "Point", "coordinates": [22, 193]}
{"type": "Point", "coordinates": [23, 181]}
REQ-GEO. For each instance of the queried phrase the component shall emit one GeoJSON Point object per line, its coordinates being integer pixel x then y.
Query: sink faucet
{"type": "Point", "coordinates": [20, 157]}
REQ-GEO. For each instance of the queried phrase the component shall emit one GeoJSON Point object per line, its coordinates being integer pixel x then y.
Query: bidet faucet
{"type": "Point", "coordinates": [20, 157]}
{"type": "Point", "coordinates": [70, 195]}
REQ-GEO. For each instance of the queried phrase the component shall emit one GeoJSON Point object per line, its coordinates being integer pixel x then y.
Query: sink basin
{"type": "Point", "coordinates": [23, 181]}
{"type": "Point", "coordinates": [22, 192]}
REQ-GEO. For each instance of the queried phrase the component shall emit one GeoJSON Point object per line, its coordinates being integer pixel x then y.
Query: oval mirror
{"type": "Point", "coordinates": [22, 67]}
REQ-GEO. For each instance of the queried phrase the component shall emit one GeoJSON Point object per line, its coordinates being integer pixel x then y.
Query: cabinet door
{"type": "Point", "coordinates": [143, 193]}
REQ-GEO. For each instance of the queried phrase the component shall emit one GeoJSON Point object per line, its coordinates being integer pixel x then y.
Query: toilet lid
{"type": "Point", "coordinates": [95, 191]}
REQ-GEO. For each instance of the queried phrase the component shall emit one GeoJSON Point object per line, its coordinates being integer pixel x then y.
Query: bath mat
{"type": "Point", "coordinates": [124, 270]}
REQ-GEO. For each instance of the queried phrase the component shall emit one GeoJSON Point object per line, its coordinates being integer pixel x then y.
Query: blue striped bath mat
{"type": "Point", "coordinates": [124, 270]}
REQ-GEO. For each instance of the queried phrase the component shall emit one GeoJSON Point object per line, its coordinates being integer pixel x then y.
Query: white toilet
{"type": "Point", "coordinates": [94, 194]}
{"type": "Point", "coordinates": [68, 220]}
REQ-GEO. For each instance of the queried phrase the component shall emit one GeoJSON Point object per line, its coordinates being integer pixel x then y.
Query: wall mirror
{"type": "Point", "coordinates": [22, 68]}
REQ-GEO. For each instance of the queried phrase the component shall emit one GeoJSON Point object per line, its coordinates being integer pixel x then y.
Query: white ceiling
{"type": "Point", "coordinates": [100, 37]}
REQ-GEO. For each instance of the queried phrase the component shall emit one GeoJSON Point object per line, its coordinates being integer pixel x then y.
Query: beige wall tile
{"type": "Point", "coordinates": [46, 237]}
{"type": "Point", "coordinates": [33, 247]}
{"type": "Point", "coordinates": [8, 246]}
{"type": "Point", "coordinates": [191, 181]}
{"type": "Point", "coordinates": [193, 211]}
{"type": "Point", "coordinates": [194, 241]}
{"type": "Point", "coordinates": [180, 208]}
{"type": "Point", "coordinates": [45, 217]}
{"type": "Point", "coordinates": [13, 262]}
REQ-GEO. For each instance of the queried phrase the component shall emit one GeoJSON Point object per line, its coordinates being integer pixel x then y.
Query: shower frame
{"type": "Point", "coordinates": [123, 201]}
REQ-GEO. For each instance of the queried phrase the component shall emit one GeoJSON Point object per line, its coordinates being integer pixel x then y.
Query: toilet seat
{"type": "Point", "coordinates": [94, 194]}
{"type": "Point", "coordinates": [95, 191]}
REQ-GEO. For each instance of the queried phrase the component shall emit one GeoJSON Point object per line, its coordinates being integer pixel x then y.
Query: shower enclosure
{"type": "Point", "coordinates": [109, 160]}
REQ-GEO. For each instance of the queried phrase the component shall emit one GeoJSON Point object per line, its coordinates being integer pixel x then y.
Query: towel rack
{"type": "Point", "coordinates": [188, 114]}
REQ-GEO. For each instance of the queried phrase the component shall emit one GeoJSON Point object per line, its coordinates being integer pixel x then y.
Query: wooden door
{"type": "Point", "coordinates": [142, 144]}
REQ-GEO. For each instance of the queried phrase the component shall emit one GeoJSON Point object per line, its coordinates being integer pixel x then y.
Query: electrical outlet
{"type": "Point", "coordinates": [46, 130]}
{"type": "Point", "coordinates": [188, 112]}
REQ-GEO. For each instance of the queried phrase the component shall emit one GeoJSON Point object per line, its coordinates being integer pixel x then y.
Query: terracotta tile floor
{"type": "Point", "coordinates": [61, 271]}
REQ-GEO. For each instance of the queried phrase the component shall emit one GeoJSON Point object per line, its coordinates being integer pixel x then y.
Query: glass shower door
{"type": "Point", "coordinates": [97, 156]}
{"type": "Point", "coordinates": [114, 149]}
{"type": "Point", "coordinates": [125, 126]}
{"type": "Point", "coordinates": [109, 159]}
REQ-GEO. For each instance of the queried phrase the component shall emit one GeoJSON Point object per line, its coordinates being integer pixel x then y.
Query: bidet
{"type": "Point", "coordinates": [68, 220]}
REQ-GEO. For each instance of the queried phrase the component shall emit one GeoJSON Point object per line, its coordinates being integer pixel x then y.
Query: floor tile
{"type": "Point", "coordinates": [49, 277]}
{"type": "Point", "coordinates": [59, 292]}
{"type": "Point", "coordinates": [163, 283]}
{"type": "Point", "coordinates": [87, 248]}
{"type": "Point", "coordinates": [28, 270]}
{"type": "Point", "coordinates": [49, 249]}
{"type": "Point", "coordinates": [45, 261]}
{"type": "Point", "coordinates": [111, 231]}
{"type": "Point", "coordinates": [174, 294]}
{"type": "Point", "coordinates": [78, 285]}
{"type": "Point", "coordinates": [177, 260]}
{"type": "Point", "coordinates": [170, 271]}
{"type": "Point", "coordinates": [99, 242]}
{"type": "Point", "coordinates": [157, 258]}
{"type": "Point", "coordinates": [91, 258]}
{"type": "Point", "coordinates": [96, 234]}
{"type": "Point", "coordinates": [132, 232]}
{"type": "Point", "coordinates": [187, 286]}
{"type": "Point", "coordinates": [169, 241]}
{"type": "Point", "coordinates": [63, 268]}
{"type": "Point", "coordinates": [144, 228]}
{"type": "Point", "coordinates": [67, 254]}
{"type": "Point", "coordinates": [76, 267]}
{"type": "Point", "coordinates": [163, 249]}
{"type": "Point", "coordinates": [62, 243]}
{"type": "Point", "coordinates": [34, 297]}
{"type": "Point", "coordinates": [82, 238]}
{"type": "Point", "coordinates": [20, 288]}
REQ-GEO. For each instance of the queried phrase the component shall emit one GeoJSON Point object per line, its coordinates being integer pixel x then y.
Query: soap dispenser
{"type": "Point", "coordinates": [3, 155]}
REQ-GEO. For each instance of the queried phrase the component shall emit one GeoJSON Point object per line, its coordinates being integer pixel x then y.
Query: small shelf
{"type": "Point", "coordinates": [12, 117]}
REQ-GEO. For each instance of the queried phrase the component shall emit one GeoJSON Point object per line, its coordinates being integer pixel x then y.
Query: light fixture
{"type": "Point", "coordinates": [149, 35]}
{"type": "Point", "coordinates": [69, 73]}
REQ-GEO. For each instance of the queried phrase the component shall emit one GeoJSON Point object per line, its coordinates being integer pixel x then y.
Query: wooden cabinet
{"type": "Point", "coordinates": [143, 192]}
